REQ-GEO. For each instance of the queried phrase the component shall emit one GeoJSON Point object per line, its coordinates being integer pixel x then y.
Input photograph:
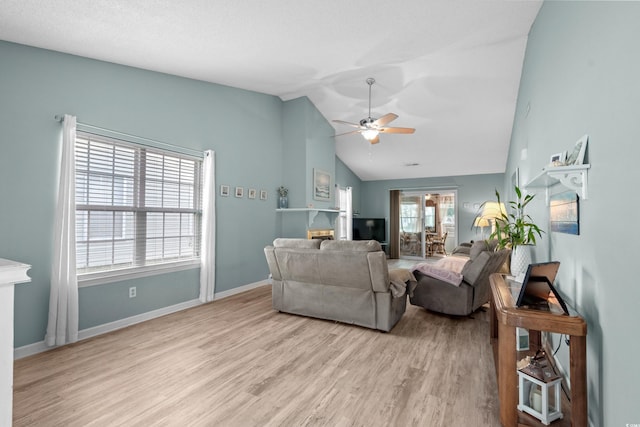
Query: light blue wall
{"type": "Point", "coordinates": [472, 190]}
{"type": "Point", "coordinates": [260, 142]}
{"type": "Point", "coordinates": [244, 128]}
{"type": "Point", "coordinates": [580, 76]}
{"type": "Point", "coordinates": [308, 145]}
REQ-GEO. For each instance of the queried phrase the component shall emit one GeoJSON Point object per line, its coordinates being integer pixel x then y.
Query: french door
{"type": "Point", "coordinates": [425, 216]}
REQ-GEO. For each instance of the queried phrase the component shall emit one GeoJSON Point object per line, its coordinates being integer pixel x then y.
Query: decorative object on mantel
{"type": "Point", "coordinates": [283, 201]}
{"type": "Point", "coordinates": [516, 230]}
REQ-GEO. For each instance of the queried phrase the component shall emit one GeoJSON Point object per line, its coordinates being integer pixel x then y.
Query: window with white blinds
{"type": "Point", "coordinates": [136, 207]}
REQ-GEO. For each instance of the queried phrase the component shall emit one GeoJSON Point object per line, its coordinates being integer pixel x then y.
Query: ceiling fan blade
{"type": "Point", "coordinates": [346, 123]}
{"type": "Point", "coordinates": [347, 133]}
{"type": "Point", "coordinates": [387, 118]}
{"type": "Point", "coordinates": [397, 130]}
{"type": "Point", "coordinates": [375, 140]}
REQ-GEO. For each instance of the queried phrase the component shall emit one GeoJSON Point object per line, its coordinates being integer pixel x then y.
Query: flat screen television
{"type": "Point", "coordinates": [369, 229]}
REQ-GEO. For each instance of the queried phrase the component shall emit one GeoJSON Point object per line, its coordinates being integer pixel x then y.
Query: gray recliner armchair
{"type": "Point", "coordinates": [436, 294]}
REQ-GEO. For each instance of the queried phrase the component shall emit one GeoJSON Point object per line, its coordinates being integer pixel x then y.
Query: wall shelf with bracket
{"type": "Point", "coordinates": [572, 177]}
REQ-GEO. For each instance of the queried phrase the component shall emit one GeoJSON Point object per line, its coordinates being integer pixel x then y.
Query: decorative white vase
{"type": "Point", "coordinates": [520, 259]}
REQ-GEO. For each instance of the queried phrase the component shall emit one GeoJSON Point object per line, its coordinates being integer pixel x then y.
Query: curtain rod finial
{"type": "Point", "coordinates": [59, 117]}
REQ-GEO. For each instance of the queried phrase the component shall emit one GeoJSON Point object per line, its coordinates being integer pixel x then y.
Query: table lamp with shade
{"type": "Point", "coordinates": [482, 223]}
{"type": "Point", "coordinates": [491, 211]}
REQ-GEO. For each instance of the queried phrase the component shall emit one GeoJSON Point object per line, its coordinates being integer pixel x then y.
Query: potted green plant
{"type": "Point", "coordinates": [517, 231]}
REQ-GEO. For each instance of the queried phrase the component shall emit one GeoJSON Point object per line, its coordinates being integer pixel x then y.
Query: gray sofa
{"type": "Point", "coordinates": [346, 281]}
{"type": "Point", "coordinates": [436, 294]}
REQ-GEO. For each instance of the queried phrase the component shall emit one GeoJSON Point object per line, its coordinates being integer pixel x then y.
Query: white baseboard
{"type": "Point", "coordinates": [39, 347]}
{"type": "Point", "coordinates": [240, 289]}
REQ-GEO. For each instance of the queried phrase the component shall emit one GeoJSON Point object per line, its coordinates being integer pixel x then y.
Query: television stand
{"type": "Point", "coordinates": [505, 317]}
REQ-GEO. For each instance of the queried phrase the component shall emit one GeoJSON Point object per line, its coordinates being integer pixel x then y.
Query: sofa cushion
{"type": "Point", "coordinates": [351, 245]}
{"type": "Point", "coordinates": [480, 246]}
{"type": "Point", "coordinates": [297, 243]}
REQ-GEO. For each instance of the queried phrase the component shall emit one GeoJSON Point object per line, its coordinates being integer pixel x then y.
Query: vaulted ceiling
{"type": "Point", "coordinates": [449, 68]}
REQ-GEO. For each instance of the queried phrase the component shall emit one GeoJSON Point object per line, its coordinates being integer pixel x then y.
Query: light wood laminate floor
{"type": "Point", "coordinates": [237, 362]}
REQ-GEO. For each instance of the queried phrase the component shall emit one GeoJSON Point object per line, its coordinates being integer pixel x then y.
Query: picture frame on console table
{"type": "Point", "coordinates": [321, 185]}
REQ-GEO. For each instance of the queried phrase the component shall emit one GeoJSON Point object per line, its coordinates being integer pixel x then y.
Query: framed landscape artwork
{"type": "Point", "coordinates": [565, 213]}
{"type": "Point", "coordinates": [321, 185]}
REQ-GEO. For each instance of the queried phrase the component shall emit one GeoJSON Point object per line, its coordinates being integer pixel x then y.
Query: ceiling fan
{"type": "Point", "coordinates": [370, 127]}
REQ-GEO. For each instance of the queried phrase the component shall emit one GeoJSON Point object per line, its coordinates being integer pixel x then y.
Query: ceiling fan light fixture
{"type": "Point", "coordinates": [370, 134]}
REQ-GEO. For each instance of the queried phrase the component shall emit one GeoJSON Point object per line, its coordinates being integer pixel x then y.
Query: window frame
{"type": "Point", "coordinates": [143, 268]}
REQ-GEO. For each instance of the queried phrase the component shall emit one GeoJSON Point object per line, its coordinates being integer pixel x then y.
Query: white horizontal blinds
{"type": "Point", "coordinates": [135, 205]}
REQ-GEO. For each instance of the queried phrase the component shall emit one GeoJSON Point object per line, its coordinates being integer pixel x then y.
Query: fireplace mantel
{"type": "Point", "coordinates": [313, 213]}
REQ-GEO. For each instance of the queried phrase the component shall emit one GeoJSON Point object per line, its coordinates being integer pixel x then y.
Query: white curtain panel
{"type": "Point", "coordinates": [344, 222]}
{"type": "Point", "coordinates": [349, 216]}
{"type": "Point", "coordinates": [63, 300]}
{"type": "Point", "coordinates": [208, 244]}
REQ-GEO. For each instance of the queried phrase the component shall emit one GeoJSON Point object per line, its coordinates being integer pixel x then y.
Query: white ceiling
{"type": "Point", "coordinates": [449, 68]}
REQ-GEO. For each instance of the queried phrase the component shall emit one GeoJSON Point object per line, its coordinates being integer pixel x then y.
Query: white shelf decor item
{"type": "Point", "coordinates": [540, 399]}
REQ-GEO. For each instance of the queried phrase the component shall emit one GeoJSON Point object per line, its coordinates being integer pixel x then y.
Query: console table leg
{"type": "Point", "coordinates": [507, 376]}
{"type": "Point", "coordinates": [578, 375]}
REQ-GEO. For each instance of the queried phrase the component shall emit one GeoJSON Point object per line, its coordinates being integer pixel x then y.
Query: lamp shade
{"type": "Point", "coordinates": [481, 222]}
{"type": "Point", "coordinates": [493, 210]}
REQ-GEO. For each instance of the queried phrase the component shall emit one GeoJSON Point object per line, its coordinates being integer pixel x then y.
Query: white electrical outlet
{"type": "Point", "coordinates": [132, 292]}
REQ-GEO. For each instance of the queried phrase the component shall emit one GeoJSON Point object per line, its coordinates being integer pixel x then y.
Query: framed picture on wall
{"type": "Point", "coordinates": [263, 194]}
{"type": "Point", "coordinates": [321, 185]}
{"type": "Point", "coordinates": [224, 190]}
{"type": "Point", "coordinates": [239, 191]}
{"type": "Point", "coordinates": [579, 149]}
{"type": "Point", "coordinates": [564, 212]}
{"type": "Point", "coordinates": [252, 193]}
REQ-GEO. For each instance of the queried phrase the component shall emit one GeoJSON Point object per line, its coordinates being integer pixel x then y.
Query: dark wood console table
{"type": "Point", "coordinates": [505, 317]}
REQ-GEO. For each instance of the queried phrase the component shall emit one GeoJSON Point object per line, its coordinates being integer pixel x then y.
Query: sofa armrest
{"type": "Point", "coordinates": [269, 252]}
